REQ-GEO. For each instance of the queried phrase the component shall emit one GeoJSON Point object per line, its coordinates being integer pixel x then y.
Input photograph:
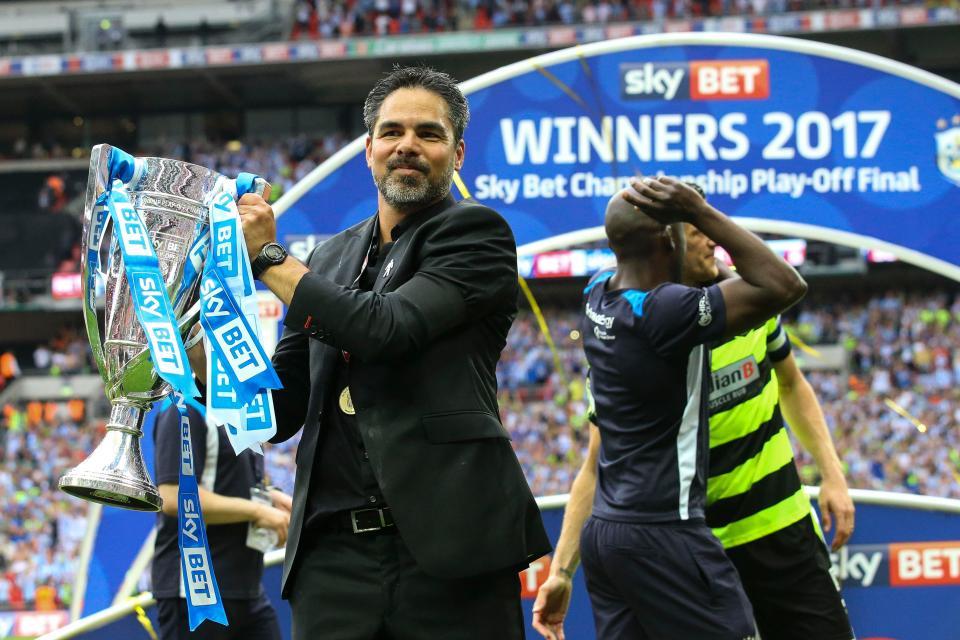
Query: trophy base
{"type": "Point", "coordinates": [115, 474]}
{"type": "Point", "coordinates": [111, 490]}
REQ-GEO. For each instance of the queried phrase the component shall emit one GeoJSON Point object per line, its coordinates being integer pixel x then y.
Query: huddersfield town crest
{"type": "Point", "coordinates": [948, 149]}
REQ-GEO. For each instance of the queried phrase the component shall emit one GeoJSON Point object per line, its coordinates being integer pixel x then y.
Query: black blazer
{"type": "Point", "coordinates": [424, 344]}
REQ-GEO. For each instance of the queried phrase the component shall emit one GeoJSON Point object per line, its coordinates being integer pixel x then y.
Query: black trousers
{"type": "Point", "coordinates": [253, 619]}
{"type": "Point", "coordinates": [366, 586]}
{"type": "Point", "coordinates": [787, 577]}
{"type": "Point", "coordinates": [665, 581]}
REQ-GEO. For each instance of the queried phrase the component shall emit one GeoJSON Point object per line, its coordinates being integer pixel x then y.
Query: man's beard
{"type": "Point", "coordinates": [412, 192]}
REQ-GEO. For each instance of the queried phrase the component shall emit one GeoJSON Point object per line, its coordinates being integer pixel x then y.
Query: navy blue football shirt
{"type": "Point", "coordinates": [649, 374]}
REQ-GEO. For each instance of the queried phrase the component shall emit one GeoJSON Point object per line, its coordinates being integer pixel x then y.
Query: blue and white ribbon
{"type": "Point", "coordinates": [149, 292]}
{"type": "Point", "coordinates": [239, 373]}
{"type": "Point", "coordinates": [155, 314]}
{"type": "Point", "coordinates": [199, 580]}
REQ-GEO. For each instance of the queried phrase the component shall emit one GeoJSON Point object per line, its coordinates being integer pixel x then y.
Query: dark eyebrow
{"type": "Point", "coordinates": [431, 125]}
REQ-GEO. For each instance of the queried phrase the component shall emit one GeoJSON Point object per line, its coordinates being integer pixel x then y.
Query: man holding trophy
{"type": "Point", "coordinates": [411, 515]}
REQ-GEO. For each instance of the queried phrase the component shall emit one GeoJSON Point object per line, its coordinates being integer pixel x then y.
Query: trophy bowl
{"type": "Point", "coordinates": [171, 197]}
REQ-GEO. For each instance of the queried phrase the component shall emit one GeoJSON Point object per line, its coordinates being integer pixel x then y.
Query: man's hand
{"type": "Point", "coordinates": [281, 500]}
{"type": "Point", "coordinates": [273, 518]}
{"type": "Point", "coordinates": [259, 223]}
{"type": "Point", "coordinates": [836, 507]}
{"type": "Point", "coordinates": [550, 607]}
{"type": "Point", "coordinates": [664, 199]}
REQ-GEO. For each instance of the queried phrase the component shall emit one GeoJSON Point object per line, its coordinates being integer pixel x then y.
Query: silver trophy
{"type": "Point", "coordinates": [170, 196]}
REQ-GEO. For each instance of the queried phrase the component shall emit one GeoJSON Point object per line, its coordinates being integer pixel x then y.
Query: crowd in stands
{"type": "Point", "coordinates": [904, 350]}
{"type": "Point", "coordinates": [901, 348]}
{"type": "Point", "coordinates": [344, 18]}
{"type": "Point", "coordinates": [42, 528]}
{"type": "Point", "coordinates": [283, 162]}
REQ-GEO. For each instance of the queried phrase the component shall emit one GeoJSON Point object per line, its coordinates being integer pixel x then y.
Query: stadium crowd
{"type": "Point", "coordinates": [283, 162]}
{"type": "Point", "coordinates": [901, 348]}
{"type": "Point", "coordinates": [344, 18]}
{"type": "Point", "coordinates": [42, 528]}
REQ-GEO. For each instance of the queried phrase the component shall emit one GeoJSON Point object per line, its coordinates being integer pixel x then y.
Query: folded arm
{"type": "Point", "coordinates": [468, 266]}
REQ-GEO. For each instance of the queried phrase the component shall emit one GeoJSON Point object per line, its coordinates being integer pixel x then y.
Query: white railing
{"type": "Point", "coordinates": [146, 599]}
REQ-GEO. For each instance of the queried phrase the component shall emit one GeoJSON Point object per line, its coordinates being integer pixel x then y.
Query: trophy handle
{"type": "Point", "coordinates": [259, 186]}
{"type": "Point", "coordinates": [98, 181]}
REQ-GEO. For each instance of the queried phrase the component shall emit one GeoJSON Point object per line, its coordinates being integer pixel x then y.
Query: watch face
{"type": "Point", "coordinates": [273, 252]}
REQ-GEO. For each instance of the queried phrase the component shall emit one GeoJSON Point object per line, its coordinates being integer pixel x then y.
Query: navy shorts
{"type": "Point", "coordinates": [253, 619]}
{"type": "Point", "coordinates": [668, 581]}
{"type": "Point", "coordinates": [787, 577]}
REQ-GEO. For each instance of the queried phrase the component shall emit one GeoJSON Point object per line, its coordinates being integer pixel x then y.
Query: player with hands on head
{"type": "Point", "coordinates": [652, 567]}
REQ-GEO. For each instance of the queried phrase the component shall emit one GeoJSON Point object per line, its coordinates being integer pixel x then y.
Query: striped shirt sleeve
{"type": "Point", "coordinates": [778, 343]}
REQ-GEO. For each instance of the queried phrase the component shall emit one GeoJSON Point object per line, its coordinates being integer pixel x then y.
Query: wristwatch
{"type": "Point", "coordinates": [271, 254]}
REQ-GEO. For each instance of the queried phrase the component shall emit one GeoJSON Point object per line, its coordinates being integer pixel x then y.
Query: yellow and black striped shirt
{"type": "Point", "coordinates": [753, 487]}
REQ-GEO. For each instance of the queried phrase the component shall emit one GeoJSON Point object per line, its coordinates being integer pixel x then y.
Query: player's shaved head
{"type": "Point", "coordinates": [630, 232]}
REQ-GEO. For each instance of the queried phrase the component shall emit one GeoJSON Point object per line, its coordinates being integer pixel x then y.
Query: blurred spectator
{"type": "Point", "coordinates": [9, 368]}
{"type": "Point", "coordinates": [53, 195]}
{"type": "Point", "coordinates": [160, 32]}
{"type": "Point", "coordinates": [42, 528]}
{"type": "Point", "coordinates": [68, 352]}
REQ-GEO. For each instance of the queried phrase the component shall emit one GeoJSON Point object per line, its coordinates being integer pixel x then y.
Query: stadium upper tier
{"type": "Point", "coordinates": [67, 26]}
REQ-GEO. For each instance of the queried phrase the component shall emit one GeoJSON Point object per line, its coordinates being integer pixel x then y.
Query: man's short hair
{"type": "Point", "coordinates": [419, 77]}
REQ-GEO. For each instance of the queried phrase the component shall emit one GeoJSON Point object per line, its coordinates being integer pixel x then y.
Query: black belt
{"type": "Point", "coordinates": [360, 521]}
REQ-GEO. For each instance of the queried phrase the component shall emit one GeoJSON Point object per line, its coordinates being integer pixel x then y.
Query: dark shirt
{"type": "Point", "coordinates": [649, 374]}
{"type": "Point", "coordinates": [238, 568]}
{"type": "Point", "coordinates": [342, 478]}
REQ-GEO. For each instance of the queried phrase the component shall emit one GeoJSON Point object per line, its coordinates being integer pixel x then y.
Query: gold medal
{"type": "Point", "coordinates": [346, 402]}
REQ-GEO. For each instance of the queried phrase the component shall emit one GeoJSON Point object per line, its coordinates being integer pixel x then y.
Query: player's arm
{"type": "Point", "coordinates": [550, 607]}
{"type": "Point", "coordinates": [802, 412]}
{"type": "Point", "coordinates": [220, 509]}
{"type": "Point", "coordinates": [767, 285]}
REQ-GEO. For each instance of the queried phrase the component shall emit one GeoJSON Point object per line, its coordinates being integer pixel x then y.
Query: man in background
{"type": "Point", "coordinates": [755, 502]}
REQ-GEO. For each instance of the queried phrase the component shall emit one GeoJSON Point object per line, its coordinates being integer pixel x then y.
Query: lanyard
{"type": "Point", "coordinates": [374, 245]}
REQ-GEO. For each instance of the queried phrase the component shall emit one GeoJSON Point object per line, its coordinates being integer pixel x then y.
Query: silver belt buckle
{"type": "Point", "coordinates": [357, 529]}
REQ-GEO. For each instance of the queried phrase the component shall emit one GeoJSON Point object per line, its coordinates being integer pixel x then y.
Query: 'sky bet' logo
{"type": "Point", "coordinates": [696, 80]}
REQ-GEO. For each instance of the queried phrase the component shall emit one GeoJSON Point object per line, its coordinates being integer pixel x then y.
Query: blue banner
{"type": "Point", "coordinates": [900, 577]}
{"type": "Point", "coordinates": [801, 137]}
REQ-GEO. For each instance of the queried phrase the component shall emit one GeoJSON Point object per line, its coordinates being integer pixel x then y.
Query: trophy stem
{"type": "Point", "coordinates": [115, 473]}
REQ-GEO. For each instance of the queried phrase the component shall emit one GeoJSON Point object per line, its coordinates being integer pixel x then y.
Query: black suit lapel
{"type": "Point", "coordinates": [399, 249]}
{"type": "Point", "coordinates": [393, 260]}
{"type": "Point", "coordinates": [355, 249]}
